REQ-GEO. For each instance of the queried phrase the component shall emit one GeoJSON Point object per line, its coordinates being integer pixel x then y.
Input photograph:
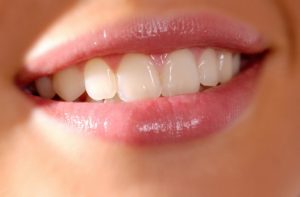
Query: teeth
{"type": "Point", "coordinates": [69, 84]}
{"type": "Point", "coordinates": [100, 81]}
{"type": "Point", "coordinates": [45, 88]}
{"type": "Point", "coordinates": [180, 74]}
{"type": "Point", "coordinates": [236, 63]}
{"type": "Point", "coordinates": [226, 66]}
{"type": "Point", "coordinates": [137, 78]}
{"type": "Point", "coordinates": [209, 68]}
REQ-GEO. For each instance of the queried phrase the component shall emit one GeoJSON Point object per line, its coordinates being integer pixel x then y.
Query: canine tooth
{"type": "Point", "coordinates": [100, 81]}
{"type": "Point", "coordinates": [236, 63]}
{"type": "Point", "coordinates": [208, 68]}
{"type": "Point", "coordinates": [137, 78]}
{"type": "Point", "coordinates": [45, 88]}
{"type": "Point", "coordinates": [69, 84]}
{"type": "Point", "coordinates": [225, 67]}
{"type": "Point", "coordinates": [180, 74]}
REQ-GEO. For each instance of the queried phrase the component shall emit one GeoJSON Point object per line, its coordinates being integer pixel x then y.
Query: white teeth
{"type": "Point", "coordinates": [100, 81]}
{"type": "Point", "coordinates": [226, 66]}
{"type": "Point", "coordinates": [45, 88]}
{"type": "Point", "coordinates": [137, 78]}
{"type": "Point", "coordinates": [209, 68]}
{"type": "Point", "coordinates": [236, 63]}
{"type": "Point", "coordinates": [180, 74]}
{"type": "Point", "coordinates": [69, 84]}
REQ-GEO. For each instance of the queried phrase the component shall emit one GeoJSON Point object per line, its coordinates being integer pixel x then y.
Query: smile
{"type": "Point", "coordinates": [149, 80]}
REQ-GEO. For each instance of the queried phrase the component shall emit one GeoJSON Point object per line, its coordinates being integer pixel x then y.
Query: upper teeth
{"type": "Point", "coordinates": [226, 66]}
{"type": "Point", "coordinates": [209, 68]}
{"type": "Point", "coordinates": [45, 88]}
{"type": "Point", "coordinates": [179, 75]}
{"type": "Point", "coordinates": [139, 77]}
{"type": "Point", "coordinates": [69, 83]}
{"type": "Point", "coordinates": [100, 81]}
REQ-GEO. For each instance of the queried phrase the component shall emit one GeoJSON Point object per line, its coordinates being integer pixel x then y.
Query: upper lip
{"type": "Point", "coordinates": [148, 35]}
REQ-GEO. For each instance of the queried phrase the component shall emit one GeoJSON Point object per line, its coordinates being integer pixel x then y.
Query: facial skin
{"type": "Point", "coordinates": [259, 156]}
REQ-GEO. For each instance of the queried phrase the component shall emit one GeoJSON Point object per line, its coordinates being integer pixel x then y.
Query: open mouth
{"type": "Point", "coordinates": [150, 80]}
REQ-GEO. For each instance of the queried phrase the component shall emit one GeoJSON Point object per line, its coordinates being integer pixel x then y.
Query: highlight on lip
{"type": "Point", "coordinates": [167, 86]}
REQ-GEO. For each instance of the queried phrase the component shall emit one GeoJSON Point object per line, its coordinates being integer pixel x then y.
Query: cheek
{"type": "Point", "coordinates": [15, 38]}
{"type": "Point", "coordinates": [15, 35]}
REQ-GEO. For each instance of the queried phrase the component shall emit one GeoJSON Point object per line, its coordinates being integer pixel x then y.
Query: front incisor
{"type": "Point", "coordinates": [138, 79]}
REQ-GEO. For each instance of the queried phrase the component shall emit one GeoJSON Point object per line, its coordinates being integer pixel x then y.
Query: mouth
{"type": "Point", "coordinates": [149, 80]}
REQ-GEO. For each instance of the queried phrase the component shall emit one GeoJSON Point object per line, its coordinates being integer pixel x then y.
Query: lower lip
{"type": "Point", "coordinates": [159, 121]}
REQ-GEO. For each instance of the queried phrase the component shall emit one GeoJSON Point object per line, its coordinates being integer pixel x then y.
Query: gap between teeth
{"type": "Point", "coordinates": [139, 77]}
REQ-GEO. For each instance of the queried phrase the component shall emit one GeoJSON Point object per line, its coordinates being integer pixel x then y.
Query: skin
{"type": "Point", "coordinates": [259, 156]}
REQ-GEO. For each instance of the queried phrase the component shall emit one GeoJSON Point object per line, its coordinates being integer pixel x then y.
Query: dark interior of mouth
{"type": "Point", "coordinates": [247, 61]}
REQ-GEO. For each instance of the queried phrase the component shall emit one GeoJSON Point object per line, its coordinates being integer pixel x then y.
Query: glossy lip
{"type": "Point", "coordinates": [159, 121]}
{"type": "Point", "coordinates": [154, 35]}
{"type": "Point", "coordinates": [162, 120]}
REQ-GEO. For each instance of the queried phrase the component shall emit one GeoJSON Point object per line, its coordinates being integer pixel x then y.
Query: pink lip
{"type": "Point", "coordinates": [162, 120]}
{"type": "Point", "coordinates": [151, 36]}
